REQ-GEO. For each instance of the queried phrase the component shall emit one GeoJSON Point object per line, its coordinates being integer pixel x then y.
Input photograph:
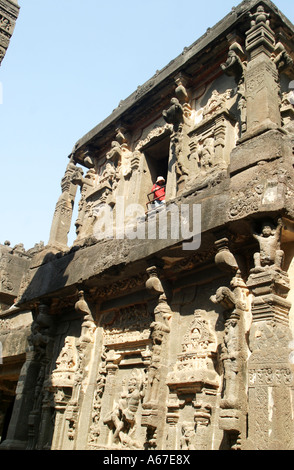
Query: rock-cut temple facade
{"type": "Point", "coordinates": [169, 326]}
{"type": "Point", "coordinates": [9, 11]}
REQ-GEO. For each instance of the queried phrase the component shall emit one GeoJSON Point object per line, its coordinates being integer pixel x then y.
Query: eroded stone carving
{"type": "Point", "coordinates": [66, 366]}
{"type": "Point", "coordinates": [163, 367]}
{"type": "Point", "coordinates": [159, 331]}
{"type": "Point", "coordinates": [235, 301]}
{"type": "Point", "coordinates": [174, 114]}
{"type": "Point", "coordinates": [260, 16]}
{"type": "Point", "coordinates": [40, 345]}
{"type": "Point", "coordinates": [195, 365]}
{"type": "Point", "coordinates": [269, 241]}
{"type": "Point", "coordinates": [270, 376]}
{"type": "Point", "coordinates": [88, 325]}
{"type": "Point", "coordinates": [123, 418]}
{"type": "Point", "coordinates": [95, 428]}
{"type": "Point", "coordinates": [64, 208]}
{"type": "Point", "coordinates": [188, 436]}
{"type": "Point", "coordinates": [157, 369]}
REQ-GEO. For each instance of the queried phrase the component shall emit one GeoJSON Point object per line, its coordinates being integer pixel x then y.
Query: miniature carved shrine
{"type": "Point", "coordinates": [142, 336]}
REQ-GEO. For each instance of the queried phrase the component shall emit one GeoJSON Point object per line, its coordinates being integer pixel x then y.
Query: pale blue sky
{"type": "Point", "coordinates": [69, 64]}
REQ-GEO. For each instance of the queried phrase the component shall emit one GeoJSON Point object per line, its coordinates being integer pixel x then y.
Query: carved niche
{"type": "Point", "coordinates": [121, 379]}
{"type": "Point", "coordinates": [193, 385]}
{"type": "Point", "coordinates": [195, 364]}
{"type": "Point", "coordinates": [85, 212]}
{"type": "Point", "coordinates": [123, 419]}
{"type": "Point", "coordinates": [211, 140]}
{"type": "Point", "coordinates": [116, 170]}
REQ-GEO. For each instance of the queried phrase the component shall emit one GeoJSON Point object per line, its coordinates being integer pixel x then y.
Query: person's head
{"type": "Point", "coordinates": [160, 180]}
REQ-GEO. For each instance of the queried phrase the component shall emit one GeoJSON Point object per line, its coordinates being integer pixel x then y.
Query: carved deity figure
{"type": "Point", "coordinates": [233, 65]}
{"type": "Point", "coordinates": [123, 417]}
{"type": "Point", "coordinates": [216, 102]}
{"type": "Point", "coordinates": [114, 153]}
{"type": "Point", "coordinates": [206, 154]}
{"type": "Point", "coordinates": [67, 358]}
{"type": "Point", "coordinates": [259, 17]}
{"type": "Point", "coordinates": [108, 173]}
{"type": "Point", "coordinates": [174, 115]}
{"type": "Point", "coordinates": [230, 355]}
{"type": "Point", "coordinates": [188, 436]}
{"type": "Point", "coordinates": [88, 325]}
{"type": "Point", "coordinates": [154, 374]}
{"type": "Point", "coordinates": [270, 253]}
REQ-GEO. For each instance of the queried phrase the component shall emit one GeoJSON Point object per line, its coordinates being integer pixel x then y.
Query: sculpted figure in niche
{"type": "Point", "coordinates": [115, 153]}
{"type": "Point", "coordinates": [270, 253]}
{"type": "Point", "coordinates": [229, 356]}
{"type": "Point", "coordinates": [206, 154]}
{"type": "Point", "coordinates": [159, 331]}
{"type": "Point", "coordinates": [216, 102]}
{"type": "Point", "coordinates": [154, 375]}
{"type": "Point", "coordinates": [123, 417]}
{"type": "Point", "coordinates": [108, 173]}
{"type": "Point", "coordinates": [67, 359]}
{"type": "Point", "coordinates": [188, 436]}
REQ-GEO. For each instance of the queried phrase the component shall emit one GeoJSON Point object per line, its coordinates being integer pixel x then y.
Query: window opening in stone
{"type": "Point", "coordinates": [157, 158]}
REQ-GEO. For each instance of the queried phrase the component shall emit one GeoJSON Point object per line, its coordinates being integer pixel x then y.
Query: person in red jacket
{"type": "Point", "coordinates": [159, 191]}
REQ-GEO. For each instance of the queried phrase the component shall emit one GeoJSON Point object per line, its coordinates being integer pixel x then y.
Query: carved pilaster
{"type": "Point", "coordinates": [41, 342]}
{"type": "Point", "coordinates": [270, 372]}
{"type": "Point", "coordinates": [234, 350]}
{"type": "Point", "coordinates": [261, 77]}
{"type": "Point", "coordinates": [155, 397]}
{"type": "Point", "coordinates": [70, 378]}
{"type": "Point", "coordinates": [64, 208]}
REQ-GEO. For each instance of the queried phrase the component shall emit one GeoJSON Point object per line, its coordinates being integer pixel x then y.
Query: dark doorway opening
{"type": "Point", "coordinates": [7, 418]}
{"type": "Point", "coordinates": [157, 157]}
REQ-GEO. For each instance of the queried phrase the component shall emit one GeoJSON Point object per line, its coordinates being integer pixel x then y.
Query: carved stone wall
{"type": "Point", "coordinates": [9, 11]}
{"type": "Point", "coordinates": [142, 344]}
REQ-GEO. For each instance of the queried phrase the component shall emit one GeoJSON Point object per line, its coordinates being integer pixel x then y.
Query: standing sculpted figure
{"type": "Point", "coordinates": [123, 417]}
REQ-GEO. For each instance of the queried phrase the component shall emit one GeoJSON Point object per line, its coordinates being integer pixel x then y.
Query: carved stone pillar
{"type": "Point", "coordinates": [26, 433]}
{"type": "Point", "coordinates": [202, 419]}
{"type": "Point", "coordinates": [85, 219]}
{"type": "Point", "coordinates": [17, 435]}
{"type": "Point", "coordinates": [40, 417]}
{"type": "Point", "coordinates": [234, 349]}
{"type": "Point", "coordinates": [261, 77]}
{"type": "Point", "coordinates": [64, 208]}
{"type": "Point", "coordinates": [70, 379]}
{"type": "Point", "coordinates": [172, 419]}
{"type": "Point", "coordinates": [156, 391]}
{"type": "Point", "coordinates": [270, 387]}
{"type": "Point", "coordinates": [109, 389]}
{"type": "Point", "coordinates": [84, 348]}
